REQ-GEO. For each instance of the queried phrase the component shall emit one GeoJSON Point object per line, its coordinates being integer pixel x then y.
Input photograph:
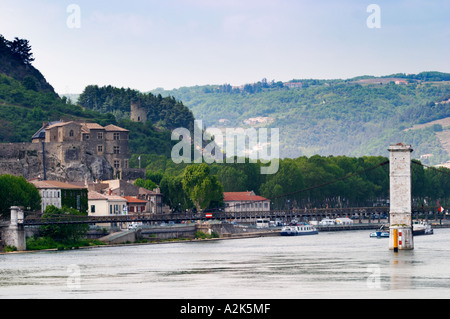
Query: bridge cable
{"type": "Point", "coordinates": [315, 187]}
{"type": "Point", "coordinates": [333, 181]}
{"type": "Point", "coordinates": [432, 167]}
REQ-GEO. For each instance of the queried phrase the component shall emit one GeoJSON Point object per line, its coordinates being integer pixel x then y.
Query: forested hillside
{"type": "Point", "coordinates": [166, 113]}
{"type": "Point", "coordinates": [355, 117]}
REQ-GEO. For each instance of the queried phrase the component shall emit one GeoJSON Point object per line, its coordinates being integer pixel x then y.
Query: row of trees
{"type": "Point", "coordinates": [316, 181]}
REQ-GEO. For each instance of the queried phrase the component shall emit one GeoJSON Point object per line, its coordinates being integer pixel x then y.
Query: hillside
{"type": "Point", "coordinates": [27, 100]}
{"type": "Point", "coordinates": [353, 117]}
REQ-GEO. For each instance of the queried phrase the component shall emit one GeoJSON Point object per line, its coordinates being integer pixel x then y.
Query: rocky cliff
{"type": "Point", "coordinates": [63, 163]}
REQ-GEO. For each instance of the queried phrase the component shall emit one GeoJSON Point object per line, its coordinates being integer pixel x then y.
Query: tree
{"type": "Point", "coordinates": [29, 83]}
{"type": "Point", "coordinates": [174, 194]}
{"type": "Point", "coordinates": [21, 49]}
{"type": "Point", "coordinates": [16, 191]}
{"type": "Point", "coordinates": [145, 183]}
{"type": "Point", "coordinates": [232, 179]}
{"type": "Point", "coordinates": [203, 189]}
{"type": "Point", "coordinates": [69, 233]}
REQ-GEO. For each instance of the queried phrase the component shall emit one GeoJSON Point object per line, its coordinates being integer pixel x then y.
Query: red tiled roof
{"type": "Point", "coordinates": [133, 200]}
{"type": "Point", "coordinates": [54, 184]}
{"type": "Point", "coordinates": [241, 196]}
{"type": "Point", "coordinates": [115, 128]}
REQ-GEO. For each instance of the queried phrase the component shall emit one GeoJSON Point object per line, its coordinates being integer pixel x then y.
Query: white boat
{"type": "Point", "coordinates": [421, 228]}
{"type": "Point", "coordinates": [379, 234]}
{"type": "Point", "coordinates": [298, 230]}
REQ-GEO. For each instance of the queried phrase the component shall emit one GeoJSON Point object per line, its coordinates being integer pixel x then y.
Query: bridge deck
{"type": "Point", "coordinates": [364, 213]}
{"type": "Point", "coordinates": [360, 215]}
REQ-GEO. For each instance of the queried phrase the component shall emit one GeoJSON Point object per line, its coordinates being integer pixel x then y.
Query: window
{"type": "Point", "coordinates": [116, 164]}
{"type": "Point", "coordinates": [100, 135]}
{"type": "Point", "coordinates": [99, 148]}
{"type": "Point", "coordinates": [116, 136]}
{"type": "Point", "coordinates": [125, 164]}
{"type": "Point", "coordinates": [92, 208]}
{"type": "Point", "coordinates": [71, 133]}
{"type": "Point", "coordinates": [116, 150]}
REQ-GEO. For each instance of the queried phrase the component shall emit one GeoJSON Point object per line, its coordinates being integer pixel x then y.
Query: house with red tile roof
{"type": "Point", "coordinates": [135, 205]}
{"type": "Point", "coordinates": [245, 202]}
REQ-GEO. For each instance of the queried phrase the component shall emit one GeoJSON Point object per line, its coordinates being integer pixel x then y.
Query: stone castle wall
{"type": "Point", "coordinates": [63, 162]}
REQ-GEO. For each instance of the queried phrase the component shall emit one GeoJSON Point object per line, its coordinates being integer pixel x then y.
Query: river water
{"type": "Point", "coordinates": [346, 264]}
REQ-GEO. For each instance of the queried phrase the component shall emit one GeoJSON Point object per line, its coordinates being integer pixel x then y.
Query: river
{"type": "Point", "coordinates": [346, 264]}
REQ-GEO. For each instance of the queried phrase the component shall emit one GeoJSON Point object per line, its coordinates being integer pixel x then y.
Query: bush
{"type": "Point", "coordinates": [202, 235]}
{"type": "Point", "coordinates": [10, 248]}
{"type": "Point", "coordinates": [40, 243]}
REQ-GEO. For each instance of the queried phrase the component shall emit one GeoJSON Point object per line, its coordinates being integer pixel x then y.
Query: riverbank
{"type": "Point", "coordinates": [248, 233]}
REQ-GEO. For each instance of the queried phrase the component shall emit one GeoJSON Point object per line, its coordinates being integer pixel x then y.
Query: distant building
{"type": "Point", "coordinates": [153, 199]}
{"type": "Point", "coordinates": [61, 195]}
{"type": "Point", "coordinates": [75, 139]}
{"type": "Point", "coordinates": [258, 120]}
{"type": "Point", "coordinates": [245, 202]}
{"type": "Point", "coordinates": [293, 85]}
{"type": "Point", "coordinates": [135, 205]}
{"type": "Point", "coordinates": [104, 205]}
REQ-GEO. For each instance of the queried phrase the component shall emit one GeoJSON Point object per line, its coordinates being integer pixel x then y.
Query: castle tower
{"type": "Point", "coordinates": [137, 112]}
{"type": "Point", "coordinates": [401, 236]}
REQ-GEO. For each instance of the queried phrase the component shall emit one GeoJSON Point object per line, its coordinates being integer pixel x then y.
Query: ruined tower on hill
{"type": "Point", "coordinates": [138, 113]}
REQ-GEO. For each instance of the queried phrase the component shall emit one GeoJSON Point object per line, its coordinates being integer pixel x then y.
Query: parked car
{"type": "Point", "coordinates": [327, 222]}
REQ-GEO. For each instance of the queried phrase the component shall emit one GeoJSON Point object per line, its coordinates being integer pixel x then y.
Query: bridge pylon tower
{"type": "Point", "coordinates": [400, 230]}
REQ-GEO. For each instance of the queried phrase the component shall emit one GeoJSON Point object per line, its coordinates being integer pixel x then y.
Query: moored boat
{"type": "Point", "coordinates": [298, 230]}
{"type": "Point", "coordinates": [422, 228]}
{"type": "Point", "coordinates": [379, 234]}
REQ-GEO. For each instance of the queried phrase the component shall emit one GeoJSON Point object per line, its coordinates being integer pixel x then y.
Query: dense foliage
{"type": "Point", "coordinates": [66, 232]}
{"type": "Point", "coordinates": [202, 188]}
{"type": "Point", "coordinates": [166, 113]}
{"type": "Point", "coordinates": [16, 191]}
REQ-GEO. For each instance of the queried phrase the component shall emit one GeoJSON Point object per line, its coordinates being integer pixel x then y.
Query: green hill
{"type": "Point", "coordinates": [353, 117]}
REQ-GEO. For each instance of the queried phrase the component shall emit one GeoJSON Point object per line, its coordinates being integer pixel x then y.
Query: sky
{"type": "Point", "coordinates": [169, 44]}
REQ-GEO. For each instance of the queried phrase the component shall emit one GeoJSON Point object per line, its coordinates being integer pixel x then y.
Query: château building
{"type": "Point", "coordinates": [73, 140]}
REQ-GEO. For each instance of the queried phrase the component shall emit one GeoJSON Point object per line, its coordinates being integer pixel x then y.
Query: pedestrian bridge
{"type": "Point", "coordinates": [358, 214]}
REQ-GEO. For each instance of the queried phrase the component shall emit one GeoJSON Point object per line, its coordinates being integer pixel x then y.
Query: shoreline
{"type": "Point", "coordinates": [226, 236]}
{"type": "Point", "coordinates": [186, 240]}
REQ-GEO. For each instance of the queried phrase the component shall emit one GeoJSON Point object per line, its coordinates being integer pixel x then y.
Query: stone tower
{"type": "Point", "coordinates": [137, 112]}
{"type": "Point", "coordinates": [401, 236]}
